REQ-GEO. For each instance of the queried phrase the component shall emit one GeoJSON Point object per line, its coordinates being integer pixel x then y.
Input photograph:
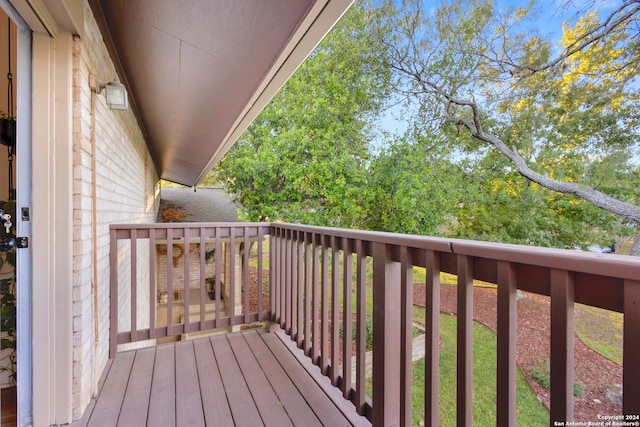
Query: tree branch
{"type": "Point", "coordinates": [590, 37]}
{"type": "Point", "coordinates": [591, 195]}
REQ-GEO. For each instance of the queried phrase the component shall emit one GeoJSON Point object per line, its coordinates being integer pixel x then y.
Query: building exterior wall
{"type": "Point", "coordinates": [120, 186]}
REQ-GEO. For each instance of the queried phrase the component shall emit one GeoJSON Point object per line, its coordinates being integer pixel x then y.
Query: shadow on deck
{"type": "Point", "coordinates": [248, 378]}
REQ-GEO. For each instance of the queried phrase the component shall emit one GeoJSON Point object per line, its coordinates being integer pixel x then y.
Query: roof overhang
{"type": "Point", "coordinates": [198, 72]}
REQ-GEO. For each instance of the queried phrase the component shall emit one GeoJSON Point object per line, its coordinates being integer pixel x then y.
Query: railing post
{"type": "Point", "coordinates": [299, 292]}
{"type": "Point", "coordinates": [274, 273]}
{"type": "Point", "coordinates": [218, 282]}
{"type": "Point", "coordinates": [260, 276]}
{"type": "Point", "coordinates": [361, 336]}
{"type": "Point", "coordinates": [186, 282]}
{"type": "Point", "coordinates": [465, 341]}
{"type": "Point", "coordinates": [432, 340]}
{"type": "Point", "coordinates": [631, 349]}
{"type": "Point", "coordinates": [406, 336]}
{"type": "Point", "coordinates": [324, 284]}
{"type": "Point", "coordinates": [288, 273]}
{"type": "Point", "coordinates": [335, 311]}
{"type": "Point", "coordinates": [234, 292]}
{"type": "Point", "coordinates": [169, 281]}
{"type": "Point", "coordinates": [246, 286]}
{"type": "Point", "coordinates": [506, 381]}
{"type": "Point", "coordinates": [562, 345]}
{"type": "Point", "coordinates": [347, 322]}
{"type": "Point", "coordinates": [113, 295]}
{"type": "Point", "coordinates": [295, 283]}
{"type": "Point", "coordinates": [153, 286]}
{"type": "Point", "coordinates": [308, 299]}
{"type": "Point", "coordinates": [386, 337]}
{"type": "Point", "coordinates": [133, 288]}
{"type": "Point", "coordinates": [316, 298]}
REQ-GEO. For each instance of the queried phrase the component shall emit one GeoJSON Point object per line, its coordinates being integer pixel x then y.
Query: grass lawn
{"type": "Point", "coordinates": [530, 411]}
{"type": "Point", "coordinates": [601, 330]}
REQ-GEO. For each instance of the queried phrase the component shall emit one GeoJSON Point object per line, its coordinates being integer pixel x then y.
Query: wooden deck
{"type": "Point", "coordinates": [249, 378]}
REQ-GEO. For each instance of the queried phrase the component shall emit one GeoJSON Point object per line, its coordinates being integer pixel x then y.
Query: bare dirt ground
{"type": "Point", "coordinates": [596, 372]}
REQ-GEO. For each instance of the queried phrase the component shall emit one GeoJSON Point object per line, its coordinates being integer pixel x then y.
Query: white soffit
{"type": "Point", "coordinates": [200, 71]}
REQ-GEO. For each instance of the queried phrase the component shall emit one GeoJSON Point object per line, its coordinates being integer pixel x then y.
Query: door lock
{"type": "Point", "coordinates": [11, 243]}
{"type": "Point", "coordinates": [22, 242]}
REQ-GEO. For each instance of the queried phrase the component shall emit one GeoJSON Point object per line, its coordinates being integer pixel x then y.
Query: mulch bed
{"type": "Point", "coordinates": [533, 347]}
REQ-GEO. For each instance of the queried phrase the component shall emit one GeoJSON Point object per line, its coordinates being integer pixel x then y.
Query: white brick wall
{"type": "Point", "coordinates": [126, 192]}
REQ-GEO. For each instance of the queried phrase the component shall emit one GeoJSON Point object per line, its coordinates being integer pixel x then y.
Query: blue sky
{"type": "Point", "coordinates": [552, 13]}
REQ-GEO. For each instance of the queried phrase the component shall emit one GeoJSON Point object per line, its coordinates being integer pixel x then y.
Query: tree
{"type": "Point", "coordinates": [560, 120]}
{"type": "Point", "coordinates": [304, 158]}
{"type": "Point", "coordinates": [413, 187]}
{"type": "Point", "coordinates": [506, 208]}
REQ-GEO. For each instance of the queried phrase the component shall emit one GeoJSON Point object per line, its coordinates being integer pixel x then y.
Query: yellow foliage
{"type": "Point", "coordinates": [599, 59]}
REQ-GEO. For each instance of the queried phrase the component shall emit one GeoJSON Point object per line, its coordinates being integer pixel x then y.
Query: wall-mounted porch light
{"type": "Point", "coordinates": [114, 91]}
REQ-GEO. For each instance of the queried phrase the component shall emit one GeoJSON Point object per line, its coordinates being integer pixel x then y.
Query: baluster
{"type": "Point", "coordinates": [347, 323]}
{"type": "Point", "coordinates": [506, 357]}
{"type": "Point", "coordinates": [432, 339]}
{"type": "Point", "coordinates": [335, 311]}
{"type": "Point", "coordinates": [134, 285]}
{"type": "Point", "coordinates": [406, 335]}
{"type": "Point", "coordinates": [153, 287]}
{"type": "Point", "coordinates": [631, 348]}
{"type": "Point", "coordinates": [386, 337]}
{"type": "Point", "coordinates": [465, 341]}
{"type": "Point", "coordinates": [562, 345]}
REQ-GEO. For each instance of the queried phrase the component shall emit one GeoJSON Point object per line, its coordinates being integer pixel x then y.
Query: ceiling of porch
{"type": "Point", "coordinates": [199, 71]}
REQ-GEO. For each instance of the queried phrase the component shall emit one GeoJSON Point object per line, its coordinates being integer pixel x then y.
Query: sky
{"type": "Point", "coordinates": [552, 13]}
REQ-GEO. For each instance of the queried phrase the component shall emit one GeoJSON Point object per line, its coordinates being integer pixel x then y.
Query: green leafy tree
{"type": "Point", "coordinates": [506, 208]}
{"type": "Point", "coordinates": [413, 188]}
{"type": "Point", "coordinates": [566, 122]}
{"type": "Point", "coordinates": [304, 158]}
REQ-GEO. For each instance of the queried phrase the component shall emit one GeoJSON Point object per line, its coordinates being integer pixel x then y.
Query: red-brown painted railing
{"type": "Point", "coordinates": [231, 244]}
{"type": "Point", "coordinates": [313, 265]}
{"type": "Point", "coordinates": [315, 298]}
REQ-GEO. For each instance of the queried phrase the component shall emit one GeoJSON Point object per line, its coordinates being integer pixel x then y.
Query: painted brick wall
{"type": "Point", "coordinates": [127, 191]}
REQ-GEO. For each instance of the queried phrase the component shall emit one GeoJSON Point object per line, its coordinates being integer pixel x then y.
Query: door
{"type": "Point", "coordinates": [8, 253]}
{"type": "Point", "coordinates": [15, 202]}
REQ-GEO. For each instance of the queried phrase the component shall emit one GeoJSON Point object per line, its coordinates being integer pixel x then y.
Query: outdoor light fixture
{"type": "Point", "coordinates": [116, 94]}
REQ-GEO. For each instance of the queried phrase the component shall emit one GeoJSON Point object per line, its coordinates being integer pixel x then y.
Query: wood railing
{"type": "Point", "coordinates": [183, 278]}
{"type": "Point", "coordinates": [321, 295]}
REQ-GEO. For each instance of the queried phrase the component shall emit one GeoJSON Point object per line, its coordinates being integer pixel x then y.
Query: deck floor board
{"type": "Point", "coordinates": [216, 409]}
{"type": "Point", "coordinates": [135, 406]}
{"type": "Point", "coordinates": [315, 397]}
{"type": "Point", "coordinates": [243, 407]}
{"type": "Point", "coordinates": [247, 378]}
{"type": "Point", "coordinates": [189, 410]}
{"type": "Point", "coordinates": [265, 398]}
{"type": "Point", "coordinates": [297, 407]}
{"type": "Point", "coordinates": [162, 407]}
{"type": "Point", "coordinates": [107, 410]}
